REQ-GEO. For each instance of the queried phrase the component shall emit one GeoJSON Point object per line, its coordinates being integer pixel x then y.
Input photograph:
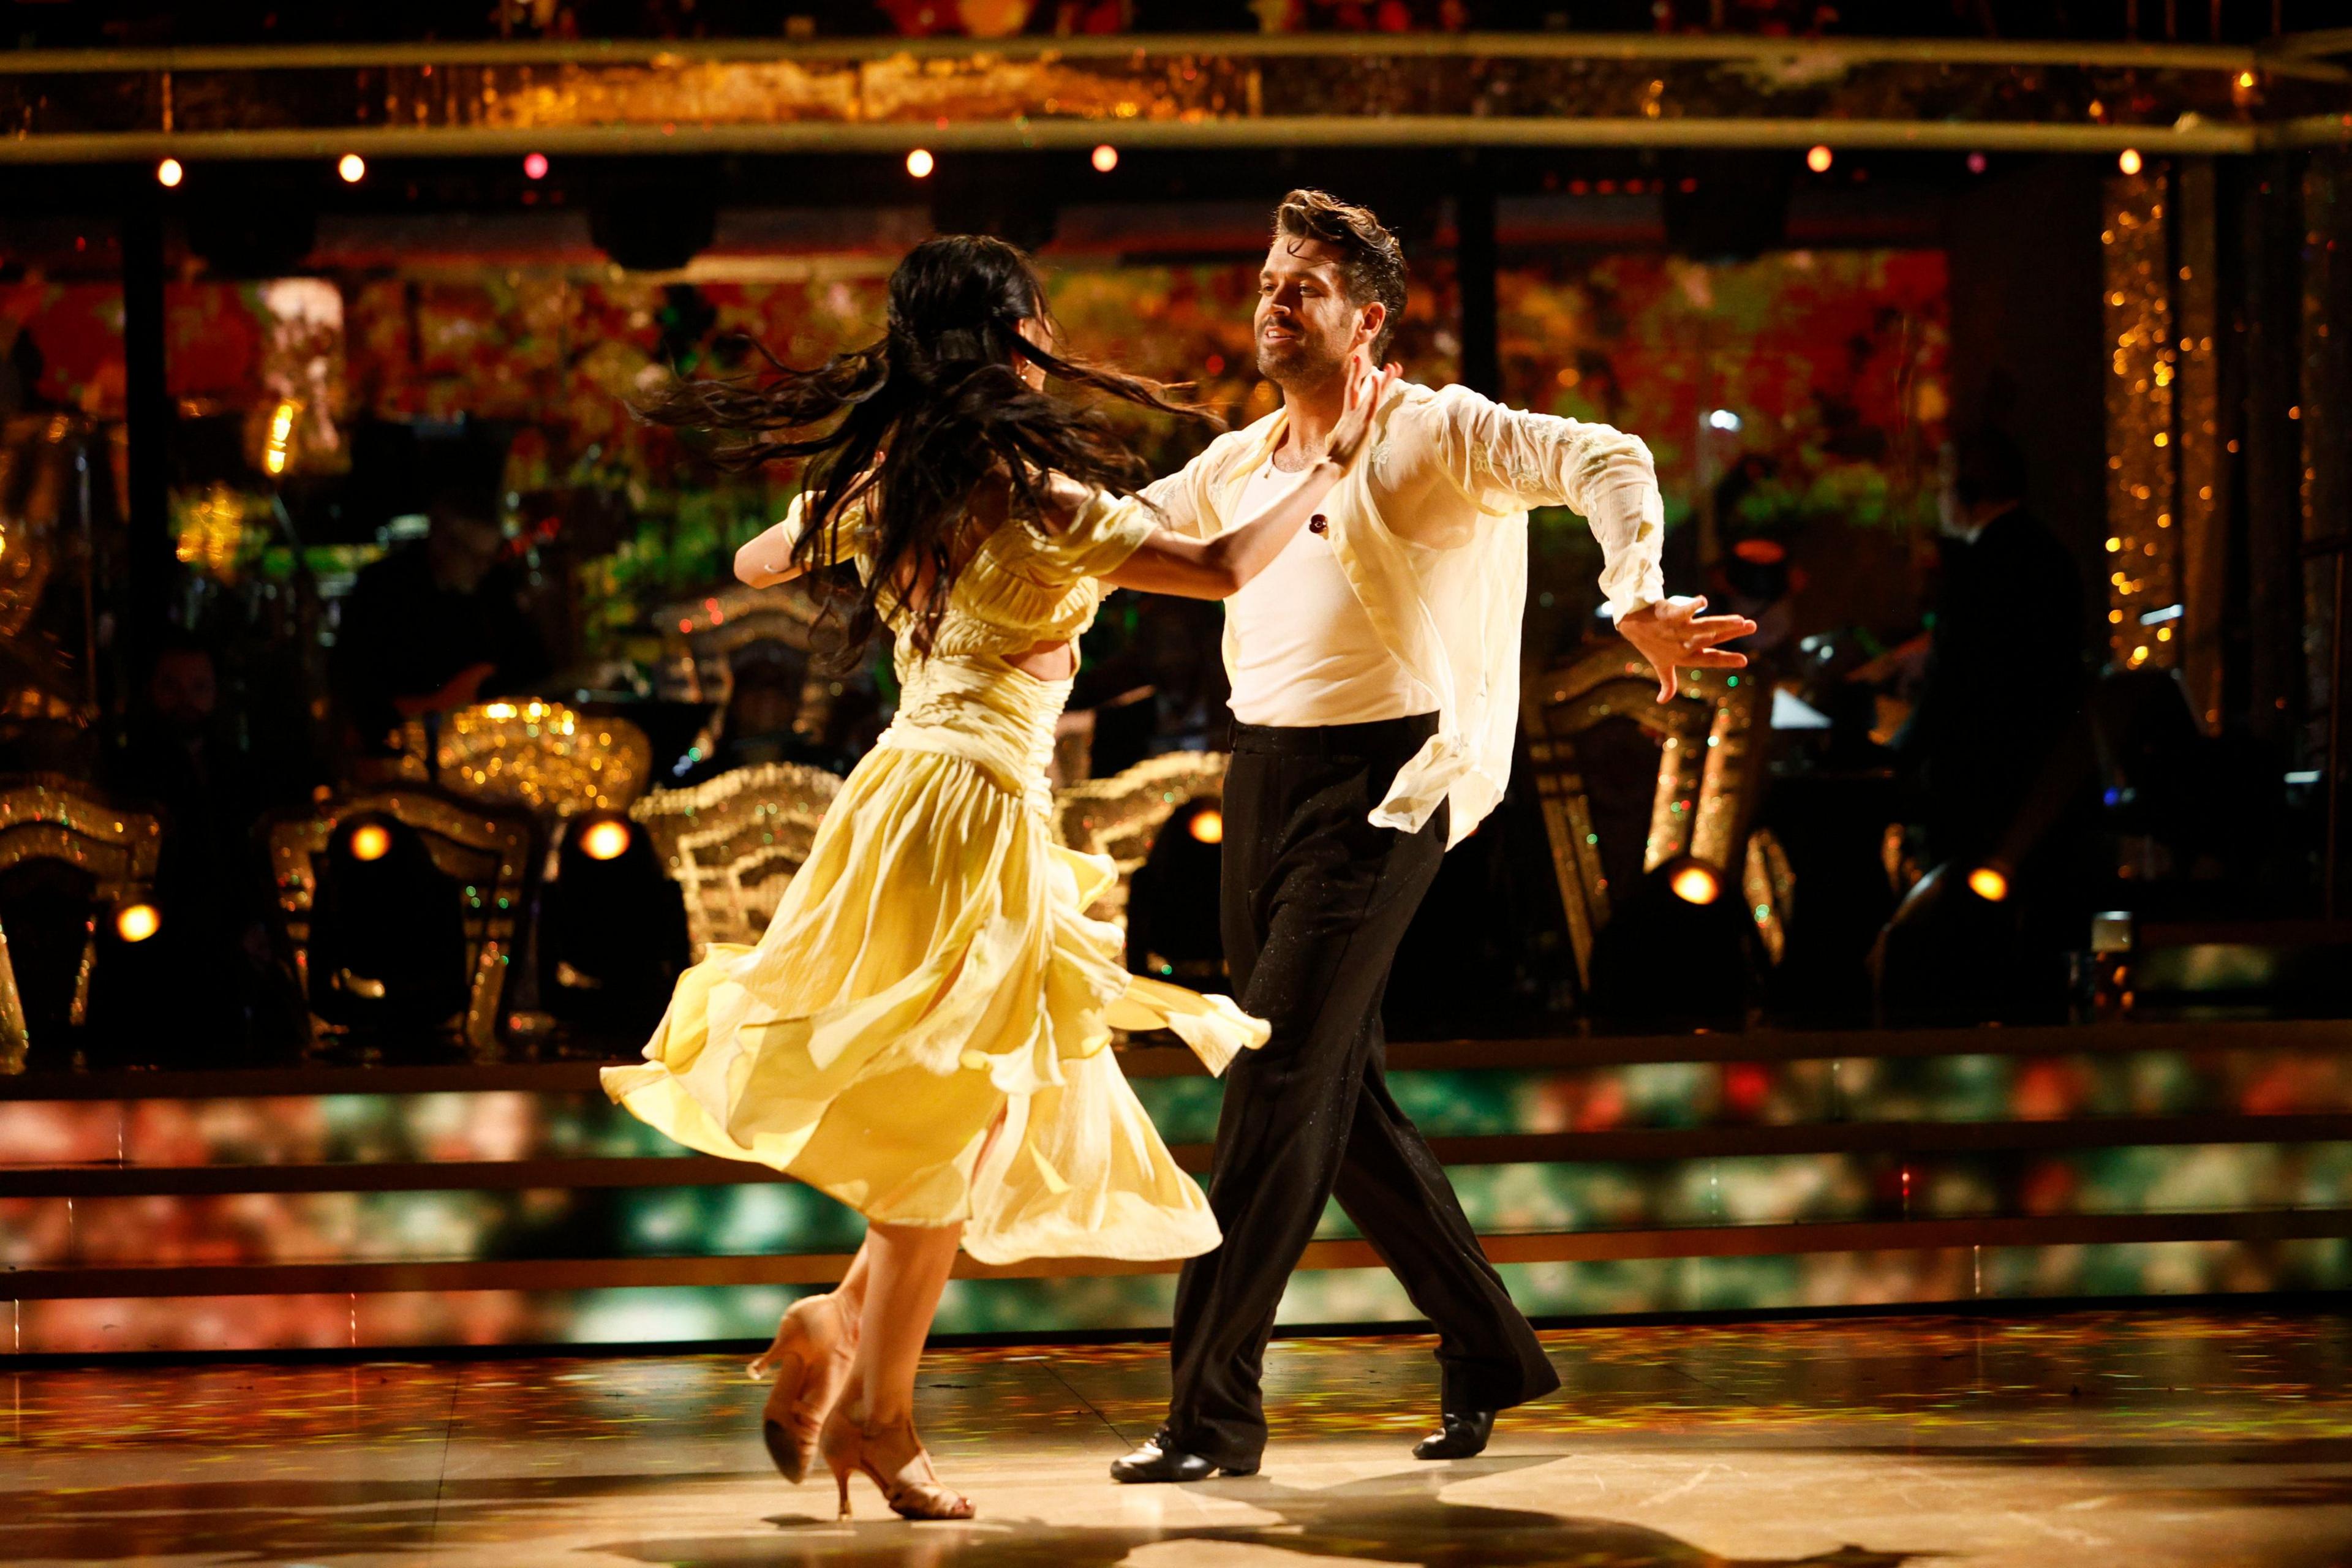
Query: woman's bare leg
{"type": "Point", "coordinates": [907, 1269]}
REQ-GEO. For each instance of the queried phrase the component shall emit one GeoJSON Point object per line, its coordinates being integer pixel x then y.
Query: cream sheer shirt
{"type": "Point", "coordinates": [1430, 525]}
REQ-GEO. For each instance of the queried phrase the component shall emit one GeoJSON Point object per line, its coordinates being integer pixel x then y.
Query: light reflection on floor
{"type": "Point", "coordinates": [2140, 1437]}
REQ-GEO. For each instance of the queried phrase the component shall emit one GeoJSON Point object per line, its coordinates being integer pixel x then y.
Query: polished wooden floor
{"type": "Point", "coordinates": [2145, 1438]}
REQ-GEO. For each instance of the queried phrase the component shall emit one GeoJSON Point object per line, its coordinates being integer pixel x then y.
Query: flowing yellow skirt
{"type": "Point", "coordinates": [930, 967]}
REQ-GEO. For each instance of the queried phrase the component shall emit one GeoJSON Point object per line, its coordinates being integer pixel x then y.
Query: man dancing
{"type": "Point", "coordinates": [1375, 682]}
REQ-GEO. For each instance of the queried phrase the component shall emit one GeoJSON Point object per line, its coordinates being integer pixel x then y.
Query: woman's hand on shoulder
{"type": "Point", "coordinates": [1063, 498]}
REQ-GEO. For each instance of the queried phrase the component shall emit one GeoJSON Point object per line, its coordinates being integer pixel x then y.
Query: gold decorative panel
{"type": "Point", "coordinates": [1120, 815]}
{"type": "Point", "coordinates": [2143, 543]}
{"type": "Point", "coordinates": [734, 843]}
{"type": "Point", "coordinates": [1710, 775]}
{"type": "Point", "coordinates": [543, 756]}
{"type": "Point", "coordinates": [487, 853]}
{"type": "Point", "coordinates": [47, 817]}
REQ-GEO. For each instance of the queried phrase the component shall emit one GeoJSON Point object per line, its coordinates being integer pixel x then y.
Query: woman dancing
{"type": "Point", "coordinates": [921, 1032]}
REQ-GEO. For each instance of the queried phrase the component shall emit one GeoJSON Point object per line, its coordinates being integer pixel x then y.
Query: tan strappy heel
{"type": "Point", "coordinates": [908, 1484]}
{"type": "Point", "coordinates": [810, 1362]}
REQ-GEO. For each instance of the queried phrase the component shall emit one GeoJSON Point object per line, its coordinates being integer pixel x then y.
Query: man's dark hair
{"type": "Point", "coordinates": [1987, 466]}
{"type": "Point", "coordinates": [1372, 262]}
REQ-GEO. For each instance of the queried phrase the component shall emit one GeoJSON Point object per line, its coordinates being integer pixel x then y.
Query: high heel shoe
{"type": "Point", "coordinates": [810, 1362]}
{"type": "Point", "coordinates": [908, 1484]}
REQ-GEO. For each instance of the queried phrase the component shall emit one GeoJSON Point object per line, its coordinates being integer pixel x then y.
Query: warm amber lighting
{"type": "Point", "coordinates": [169, 174]}
{"type": "Point", "coordinates": [606, 840]}
{"type": "Point", "coordinates": [1695, 884]}
{"type": "Point", "coordinates": [281, 433]}
{"type": "Point", "coordinates": [1106, 158]}
{"type": "Point", "coordinates": [2128, 161]}
{"type": "Point", "coordinates": [919, 163]}
{"type": "Point", "coordinates": [1989, 884]}
{"type": "Point", "coordinates": [353, 168]}
{"type": "Point", "coordinates": [137, 922]}
{"type": "Point", "coordinates": [369, 841]}
{"type": "Point", "coordinates": [1209, 825]}
{"type": "Point", "coordinates": [1820, 159]}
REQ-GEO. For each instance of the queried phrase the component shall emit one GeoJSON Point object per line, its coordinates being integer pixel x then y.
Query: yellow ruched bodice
{"type": "Point", "coordinates": [932, 974]}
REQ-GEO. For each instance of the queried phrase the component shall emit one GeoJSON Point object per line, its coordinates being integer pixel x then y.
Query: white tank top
{"type": "Point", "coordinates": [1306, 652]}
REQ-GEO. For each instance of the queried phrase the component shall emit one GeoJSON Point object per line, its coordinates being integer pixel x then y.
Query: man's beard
{"type": "Point", "coordinates": [1301, 361]}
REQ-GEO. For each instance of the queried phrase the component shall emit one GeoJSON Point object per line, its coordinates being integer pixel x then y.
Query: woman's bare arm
{"type": "Point", "coordinates": [1169, 562]}
{"type": "Point", "coordinates": [1218, 568]}
{"type": "Point", "coordinates": [767, 559]}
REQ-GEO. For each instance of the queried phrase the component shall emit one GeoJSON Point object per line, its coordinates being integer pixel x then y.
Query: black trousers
{"type": "Point", "coordinates": [1316, 900]}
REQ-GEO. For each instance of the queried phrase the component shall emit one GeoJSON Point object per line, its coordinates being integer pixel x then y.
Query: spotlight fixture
{"type": "Point", "coordinates": [387, 946]}
{"type": "Point", "coordinates": [606, 840]}
{"type": "Point", "coordinates": [534, 165]}
{"type": "Point", "coordinates": [1694, 882]}
{"type": "Point", "coordinates": [168, 173]}
{"type": "Point", "coordinates": [1989, 883]}
{"type": "Point", "coordinates": [611, 934]}
{"type": "Point", "coordinates": [1208, 826]}
{"type": "Point", "coordinates": [351, 167]}
{"type": "Point", "coordinates": [2128, 161]}
{"type": "Point", "coordinates": [919, 163]}
{"type": "Point", "coordinates": [138, 922]}
{"type": "Point", "coordinates": [1977, 164]}
{"type": "Point", "coordinates": [1106, 158]}
{"type": "Point", "coordinates": [1819, 158]}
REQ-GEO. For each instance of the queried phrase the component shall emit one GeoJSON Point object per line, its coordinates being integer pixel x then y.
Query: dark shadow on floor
{"type": "Point", "coordinates": [1388, 1518]}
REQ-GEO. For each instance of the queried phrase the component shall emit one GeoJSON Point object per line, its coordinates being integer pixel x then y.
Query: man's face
{"type": "Point", "coordinates": [1306, 327]}
{"type": "Point", "coordinates": [461, 551]}
{"type": "Point", "coordinates": [183, 691]}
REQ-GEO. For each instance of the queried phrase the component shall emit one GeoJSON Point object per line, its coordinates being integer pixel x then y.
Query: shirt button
{"type": "Point", "coordinates": [1318, 524]}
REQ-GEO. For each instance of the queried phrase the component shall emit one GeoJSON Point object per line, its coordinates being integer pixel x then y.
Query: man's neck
{"type": "Point", "coordinates": [1312, 411]}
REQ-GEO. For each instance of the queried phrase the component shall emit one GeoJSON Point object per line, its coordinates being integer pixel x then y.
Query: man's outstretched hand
{"type": "Point", "coordinates": [1671, 634]}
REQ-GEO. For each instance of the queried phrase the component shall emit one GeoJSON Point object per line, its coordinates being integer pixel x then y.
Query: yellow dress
{"type": "Point", "coordinates": [932, 964]}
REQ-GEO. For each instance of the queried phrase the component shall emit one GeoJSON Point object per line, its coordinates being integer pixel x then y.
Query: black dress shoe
{"type": "Point", "coordinates": [1157, 1462]}
{"type": "Point", "coordinates": [1462, 1437]}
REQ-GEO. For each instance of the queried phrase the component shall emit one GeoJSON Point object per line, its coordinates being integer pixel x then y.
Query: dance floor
{"type": "Point", "coordinates": [2138, 1438]}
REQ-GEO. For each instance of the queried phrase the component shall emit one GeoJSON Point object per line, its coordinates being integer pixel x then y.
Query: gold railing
{"type": "Point", "coordinates": [872, 95]}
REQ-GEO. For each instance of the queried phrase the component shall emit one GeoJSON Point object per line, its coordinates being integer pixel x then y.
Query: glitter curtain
{"type": "Point", "coordinates": [2143, 468]}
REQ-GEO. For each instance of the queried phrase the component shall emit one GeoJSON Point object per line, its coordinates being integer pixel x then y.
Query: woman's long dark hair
{"type": "Point", "coordinates": [911, 427]}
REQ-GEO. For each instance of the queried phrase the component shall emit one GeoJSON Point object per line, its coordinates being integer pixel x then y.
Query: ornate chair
{"type": "Point", "coordinates": [551, 760]}
{"type": "Point", "coordinates": [1119, 815]}
{"type": "Point", "coordinates": [487, 852]}
{"type": "Point", "coordinates": [1709, 776]}
{"type": "Point", "coordinates": [46, 817]}
{"type": "Point", "coordinates": [733, 843]}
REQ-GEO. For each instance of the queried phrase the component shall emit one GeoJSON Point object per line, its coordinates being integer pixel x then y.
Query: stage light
{"type": "Point", "coordinates": [387, 945]}
{"type": "Point", "coordinates": [1208, 826]}
{"type": "Point", "coordinates": [919, 163]}
{"type": "Point", "coordinates": [1976, 163]}
{"type": "Point", "coordinates": [1820, 159]}
{"type": "Point", "coordinates": [1695, 883]}
{"type": "Point", "coordinates": [353, 168]}
{"type": "Point", "coordinates": [281, 434]}
{"type": "Point", "coordinates": [1172, 928]}
{"type": "Point", "coordinates": [606, 840]}
{"type": "Point", "coordinates": [1987, 882]}
{"type": "Point", "coordinates": [137, 922]}
{"type": "Point", "coordinates": [612, 935]}
{"type": "Point", "coordinates": [1724, 419]}
{"type": "Point", "coordinates": [168, 173]}
{"type": "Point", "coordinates": [2128, 161]}
{"type": "Point", "coordinates": [1106, 158]}
{"type": "Point", "coordinates": [534, 165]}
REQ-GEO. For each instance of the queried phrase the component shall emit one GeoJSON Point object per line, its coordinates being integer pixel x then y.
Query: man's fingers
{"type": "Point", "coordinates": [1714, 658]}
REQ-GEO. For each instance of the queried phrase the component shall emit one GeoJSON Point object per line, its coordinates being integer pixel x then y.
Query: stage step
{"type": "Point", "coordinates": [405, 1205]}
